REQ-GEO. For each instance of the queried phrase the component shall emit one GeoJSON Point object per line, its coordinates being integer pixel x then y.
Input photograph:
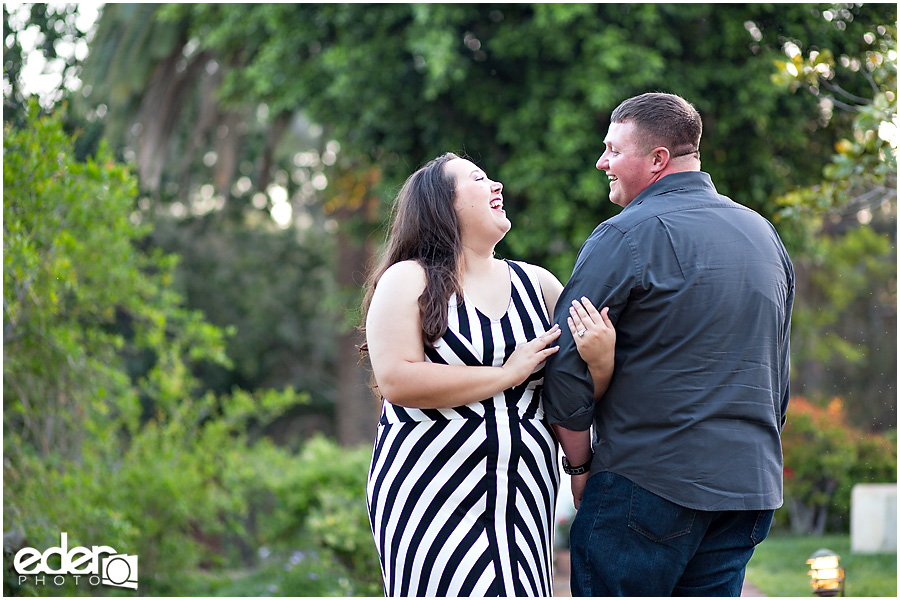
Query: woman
{"type": "Point", "coordinates": [463, 481]}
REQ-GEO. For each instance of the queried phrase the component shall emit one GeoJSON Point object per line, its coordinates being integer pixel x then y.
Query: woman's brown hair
{"type": "Point", "coordinates": [424, 228]}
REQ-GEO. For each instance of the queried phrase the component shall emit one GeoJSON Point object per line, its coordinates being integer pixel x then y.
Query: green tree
{"type": "Point", "coordinates": [212, 179]}
{"type": "Point", "coordinates": [211, 174]}
{"type": "Point", "coordinates": [845, 318]}
{"type": "Point", "coordinates": [73, 280]}
{"type": "Point", "coordinates": [525, 89]}
{"type": "Point", "coordinates": [269, 288]}
{"type": "Point", "coordinates": [105, 434]}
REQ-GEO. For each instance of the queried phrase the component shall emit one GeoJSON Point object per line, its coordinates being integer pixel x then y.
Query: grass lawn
{"type": "Point", "coordinates": [778, 566]}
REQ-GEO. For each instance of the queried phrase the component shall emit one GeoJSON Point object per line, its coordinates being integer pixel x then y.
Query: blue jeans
{"type": "Point", "coordinates": [627, 541]}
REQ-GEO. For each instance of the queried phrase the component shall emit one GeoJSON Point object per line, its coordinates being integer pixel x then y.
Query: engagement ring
{"type": "Point", "coordinates": [581, 333]}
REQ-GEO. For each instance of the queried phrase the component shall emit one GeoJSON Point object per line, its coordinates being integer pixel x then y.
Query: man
{"type": "Point", "coordinates": [685, 467]}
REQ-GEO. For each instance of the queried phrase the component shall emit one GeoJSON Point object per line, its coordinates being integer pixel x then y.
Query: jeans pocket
{"type": "Point", "coordinates": [657, 518]}
{"type": "Point", "coordinates": [762, 526]}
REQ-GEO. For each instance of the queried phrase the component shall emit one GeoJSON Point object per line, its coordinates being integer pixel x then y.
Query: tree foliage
{"type": "Point", "coordinates": [862, 172]}
{"type": "Point", "coordinates": [526, 90]}
{"type": "Point", "coordinates": [58, 37]}
{"type": "Point", "coordinates": [824, 459]}
{"type": "Point", "coordinates": [79, 298]}
{"type": "Point", "coordinates": [844, 229]}
{"type": "Point", "coordinates": [122, 424]}
{"type": "Point", "coordinates": [212, 180]}
{"type": "Point", "coordinates": [106, 435]}
{"type": "Point", "coordinates": [270, 289]}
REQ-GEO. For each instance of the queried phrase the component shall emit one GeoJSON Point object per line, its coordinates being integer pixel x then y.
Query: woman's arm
{"type": "Point", "coordinates": [597, 342]}
{"type": "Point", "coordinates": [397, 353]}
{"type": "Point", "coordinates": [577, 449]}
{"type": "Point", "coordinates": [551, 288]}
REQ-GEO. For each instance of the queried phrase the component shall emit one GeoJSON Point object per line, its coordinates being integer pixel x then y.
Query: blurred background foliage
{"type": "Point", "coordinates": [191, 204]}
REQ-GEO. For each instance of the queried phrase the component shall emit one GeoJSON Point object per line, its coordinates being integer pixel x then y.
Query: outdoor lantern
{"type": "Point", "coordinates": [826, 572]}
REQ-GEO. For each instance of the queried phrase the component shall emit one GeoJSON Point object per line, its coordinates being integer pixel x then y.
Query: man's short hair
{"type": "Point", "coordinates": [662, 120]}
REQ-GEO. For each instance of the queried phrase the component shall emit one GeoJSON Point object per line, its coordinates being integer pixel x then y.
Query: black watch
{"type": "Point", "coordinates": [580, 469]}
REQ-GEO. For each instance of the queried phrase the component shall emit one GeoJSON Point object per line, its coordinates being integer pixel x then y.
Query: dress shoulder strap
{"type": "Point", "coordinates": [529, 285]}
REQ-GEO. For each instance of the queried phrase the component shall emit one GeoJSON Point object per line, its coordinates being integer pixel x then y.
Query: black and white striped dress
{"type": "Point", "coordinates": [461, 501]}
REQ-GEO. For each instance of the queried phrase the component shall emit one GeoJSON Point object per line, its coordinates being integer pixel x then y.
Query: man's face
{"type": "Point", "coordinates": [626, 163]}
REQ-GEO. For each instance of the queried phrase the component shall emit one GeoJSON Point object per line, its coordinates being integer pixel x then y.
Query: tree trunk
{"type": "Point", "coordinates": [161, 104]}
{"type": "Point", "coordinates": [801, 517]}
{"type": "Point", "coordinates": [355, 205]}
{"type": "Point", "coordinates": [355, 404]}
{"type": "Point", "coordinates": [820, 521]}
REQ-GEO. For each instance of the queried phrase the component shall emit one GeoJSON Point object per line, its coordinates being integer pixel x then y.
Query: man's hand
{"type": "Point", "coordinates": [578, 483]}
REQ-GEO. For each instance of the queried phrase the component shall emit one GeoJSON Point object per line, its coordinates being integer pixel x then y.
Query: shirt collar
{"type": "Point", "coordinates": [685, 180]}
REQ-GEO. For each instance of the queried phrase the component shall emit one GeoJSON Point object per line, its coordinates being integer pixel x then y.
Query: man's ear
{"type": "Point", "coordinates": [661, 159]}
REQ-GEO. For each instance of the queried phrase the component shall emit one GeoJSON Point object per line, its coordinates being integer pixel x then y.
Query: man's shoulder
{"type": "Point", "coordinates": [675, 193]}
{"type": "Point", "coordinates": [642, 210]}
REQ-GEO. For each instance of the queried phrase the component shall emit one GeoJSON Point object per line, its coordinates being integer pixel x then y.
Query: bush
{"type": "Point", "coordinates": [823, 459]}
{"type": "Point", "coordinates": [104, 435]}
{"type": "Point", "coordinates": [178, 496]}
{"type": "Point", "coordinates": [321, 493]}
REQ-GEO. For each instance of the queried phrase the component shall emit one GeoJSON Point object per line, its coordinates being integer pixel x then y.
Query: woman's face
{"type": "Point", "coordinates": [479, 204]}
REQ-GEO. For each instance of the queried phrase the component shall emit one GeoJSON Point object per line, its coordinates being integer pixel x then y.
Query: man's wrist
{"type": "Point", "coordinates": [578, 469]}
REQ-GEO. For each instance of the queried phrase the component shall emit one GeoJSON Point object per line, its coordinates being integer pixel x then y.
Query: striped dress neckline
{"type": "Point", "coordinates": [509, 303]}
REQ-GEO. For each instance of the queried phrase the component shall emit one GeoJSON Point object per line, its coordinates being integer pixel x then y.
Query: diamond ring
{"type": "Point", "coordinates": [581, 333]}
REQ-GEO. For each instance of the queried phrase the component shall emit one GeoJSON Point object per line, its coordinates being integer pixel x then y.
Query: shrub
{"type": "Point", "coordinates": [104, 435]}
{"type": "Point", "coordinates": [823, 459]}
{"type": "Point", "coordinates": [321, 492]}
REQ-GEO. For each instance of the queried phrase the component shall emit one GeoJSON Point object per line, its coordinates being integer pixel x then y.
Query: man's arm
{"type": "Point", "coordinates": [786, 346]}
{"type": "Point", "coordinates": [605, 274]}
{"type": "Point", "coordinates": [576, 446]}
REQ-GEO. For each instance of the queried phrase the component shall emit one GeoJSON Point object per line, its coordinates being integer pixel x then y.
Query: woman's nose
{"type": "Point", "coordinates": [496, 187]}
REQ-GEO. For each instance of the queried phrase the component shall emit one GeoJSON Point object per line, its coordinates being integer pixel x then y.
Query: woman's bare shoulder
{"type": "Point", "coordinates": [403, 274]}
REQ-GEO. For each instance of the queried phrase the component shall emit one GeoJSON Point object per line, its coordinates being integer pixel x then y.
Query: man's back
{"type": "Point", "coordinates": [700, 294]}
